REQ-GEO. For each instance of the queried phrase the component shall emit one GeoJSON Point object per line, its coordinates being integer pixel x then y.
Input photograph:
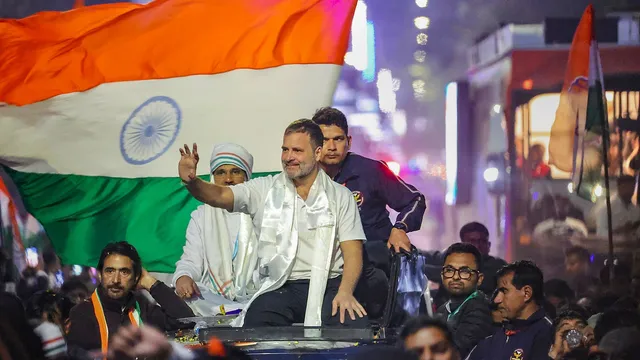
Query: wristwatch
{"type": "Point", "coordinates": [401, 226]}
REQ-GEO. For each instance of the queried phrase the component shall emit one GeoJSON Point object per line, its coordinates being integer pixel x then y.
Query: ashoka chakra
{"type": "Point", "coordinates": [150, 130]}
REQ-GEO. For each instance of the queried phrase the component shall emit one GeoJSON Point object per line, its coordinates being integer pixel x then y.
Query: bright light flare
{"type": "Point", "coordinates": [491, 174]}
{"type": "Point", "coordinates": [358, 57]}
{"type": "Point", "coordinates": [386, 95]}
{"type": "Point", "coordinates": [394, 167]}
{"type": "Point", "coordinates": [451, 141]}
{"type": "Point", "coordinates": [597, 190]}
{"type": "Point", "coordinates": [422, 3]}
{"type": "Point", "coordinates": [422, 22]}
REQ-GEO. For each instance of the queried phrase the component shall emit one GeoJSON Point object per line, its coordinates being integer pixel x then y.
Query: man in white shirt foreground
{"type": "Point", "coordinates": [220, 253]}
{"type": "Point", "coordinates": [625, 216]}
{"type": "Point", "coordinates": [309, 230]}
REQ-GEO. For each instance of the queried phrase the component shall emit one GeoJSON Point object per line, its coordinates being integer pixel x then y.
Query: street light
{"type": "Point", "coordinates": [422, 22]}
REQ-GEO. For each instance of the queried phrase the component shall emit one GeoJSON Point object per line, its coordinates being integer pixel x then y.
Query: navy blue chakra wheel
{"type": "Point", "coordinates": [150, 130]}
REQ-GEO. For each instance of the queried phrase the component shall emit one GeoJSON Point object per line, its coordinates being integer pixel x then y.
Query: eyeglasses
{"type": "Point", "coordinates": [465, 273]}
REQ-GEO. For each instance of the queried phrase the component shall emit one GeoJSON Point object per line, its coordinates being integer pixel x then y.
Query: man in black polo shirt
{"type": "Point", "coordinates": [374, 187]}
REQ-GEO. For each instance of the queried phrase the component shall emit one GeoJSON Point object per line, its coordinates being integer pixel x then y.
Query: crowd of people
{"type": "Point", "coordinates": [312, 246]}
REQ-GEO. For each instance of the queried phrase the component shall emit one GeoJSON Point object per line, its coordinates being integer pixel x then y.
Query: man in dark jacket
{"type": "Point", "coordinates": [374, 187]}
{"type": "Point", "coordinates": [467, 311]}
{"type": "Point", "coordinates": [476, 234]}
{"type": "Point", "coordinates": [114, 303]}
{"type": "Point", "coordinates": [528, 333]}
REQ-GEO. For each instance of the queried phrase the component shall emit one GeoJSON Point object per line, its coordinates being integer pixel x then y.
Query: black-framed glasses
{"type": "Point", "coordinates": [464, 272]}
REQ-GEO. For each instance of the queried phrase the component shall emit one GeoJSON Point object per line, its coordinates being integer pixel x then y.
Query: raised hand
{"type": "Point", "coordinates": [188, 163]}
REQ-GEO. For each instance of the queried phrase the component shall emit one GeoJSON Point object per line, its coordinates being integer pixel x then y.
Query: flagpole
{"type": "Point", "coordinates": [605, 143]}
{"type": "Point", "coordinates": [605, 160]}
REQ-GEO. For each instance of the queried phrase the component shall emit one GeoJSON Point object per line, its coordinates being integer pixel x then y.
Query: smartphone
{"type": "Point", "coordinates": [32, 257]}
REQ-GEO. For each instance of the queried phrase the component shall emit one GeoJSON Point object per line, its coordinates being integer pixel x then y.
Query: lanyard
{"type": "Point", "coordinates": [473, 295]}
{"type": "Point", "coordinates": [134, 317]}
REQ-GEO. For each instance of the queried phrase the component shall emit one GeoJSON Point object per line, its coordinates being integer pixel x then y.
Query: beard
{"type": "Point", "coordinates": [116, 291]}
{"type": "Point", "coordinates": [301, 171]}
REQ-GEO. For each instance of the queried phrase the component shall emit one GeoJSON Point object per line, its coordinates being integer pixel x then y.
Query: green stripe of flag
{"type": "Point", "coordinates": [81, 214]}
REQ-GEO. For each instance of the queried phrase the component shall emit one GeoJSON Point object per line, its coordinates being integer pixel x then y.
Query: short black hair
{"type": "Point", "coordinates": [474, 227]}
{"type": "Point", "coordinates": [464, 248]}
{"type": "Point", "coordinates": [125, 249]}
{"type": "Point", "coordinates": [331, 116]}
{"type": "Point", "coordinates": [525, 273]}
{"type": "Point", "coordinates": [308, 127]}
{"type": "Point", "coordinates": [48, 302]}
{"type": "Point", "coordinates": [418, 323]}
{"type": "Point", "coordinates": [558, 288]}
{"type": "Point", "coordinates": [570, 312]}
{"type": "Point", "coordinates": [72, 284]}
{"type": "Point", "coordinates": [582, 253]}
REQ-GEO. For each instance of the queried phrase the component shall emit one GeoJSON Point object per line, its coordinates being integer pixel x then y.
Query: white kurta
{"type": "Point", "coordinates": [192, 261]}
{"type": "Point", "coordinates": [284, 221]}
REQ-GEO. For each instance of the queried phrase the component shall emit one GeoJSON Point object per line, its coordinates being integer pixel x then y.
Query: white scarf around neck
{"type": "Point", "coordinates": [278, 242]}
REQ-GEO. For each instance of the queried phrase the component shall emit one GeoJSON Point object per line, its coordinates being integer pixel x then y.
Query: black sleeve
{"type": "Point", "coordinates": [478, 351]}
{"type": "Point", "coordinates": [401, 197]}
{"type": "Point", "coordinates": [474, 325]}
{"type": "Point", "coordinates": [83, 332]}
{"type": "Point", "coordinates": [542, 344]}
{"type": "Point", "coordinates": [171, 308]}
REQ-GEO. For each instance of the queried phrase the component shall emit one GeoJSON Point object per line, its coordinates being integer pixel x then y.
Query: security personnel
{"type": "Point", "coordinates": [374, 186]}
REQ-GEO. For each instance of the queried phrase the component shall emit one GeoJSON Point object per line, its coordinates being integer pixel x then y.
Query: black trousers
{"type": "Point", "coordinates": [287, 305]}
{"type": "Point", "coordinates": [378, 254]}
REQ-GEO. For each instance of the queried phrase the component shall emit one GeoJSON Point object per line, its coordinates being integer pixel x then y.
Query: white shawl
{"type": "Point", "coordinates": [278, 243]}
{"type": "Point", "coordinates": [231, 278]}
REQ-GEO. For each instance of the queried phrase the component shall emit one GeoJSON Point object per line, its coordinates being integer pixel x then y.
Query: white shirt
{"type": "Point", "coordinates": [192, 261]}
{"type": "Point", "coordinates": [249, 198]}
{"type": "Point", "coordinates": [621, 214]}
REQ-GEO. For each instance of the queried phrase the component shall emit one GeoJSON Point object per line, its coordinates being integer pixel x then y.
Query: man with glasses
{"type": "Point", "coordinates": [467, 311]}
{"type": "Point", "coordinates": [220, 252]}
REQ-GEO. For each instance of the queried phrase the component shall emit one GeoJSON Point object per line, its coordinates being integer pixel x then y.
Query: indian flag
{"type": "Point", "coordinates": [10, 234]}
{"type": "Point", "coordinates": [577, 143]}
{"type": "Point", "coordinates": [97, 101]}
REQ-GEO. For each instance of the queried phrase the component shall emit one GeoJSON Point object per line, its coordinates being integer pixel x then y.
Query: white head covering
{"type": "Point", "coordinates": [231, 154]}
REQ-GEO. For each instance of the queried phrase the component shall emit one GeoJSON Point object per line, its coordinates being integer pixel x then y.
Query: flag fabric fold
{"type": "Point", "coordinates": [10, 234]}
{"type": "Point", "coordinates": [94, 102]}
{"type": "Point", "coordinates": [579, 135]}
